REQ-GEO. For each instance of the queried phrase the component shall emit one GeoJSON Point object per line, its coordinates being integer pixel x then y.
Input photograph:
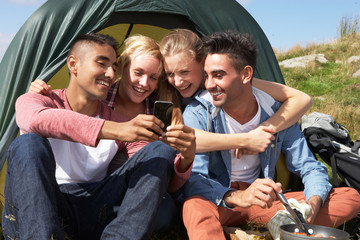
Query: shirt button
{"type": "Point", "coordinates": [272, 145]}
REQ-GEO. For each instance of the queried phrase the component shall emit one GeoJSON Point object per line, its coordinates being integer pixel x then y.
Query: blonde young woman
{"type": "Point", "coordinates": [184, 54]}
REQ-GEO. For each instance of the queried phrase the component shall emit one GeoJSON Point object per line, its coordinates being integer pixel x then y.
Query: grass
{"type": "Point", "coordinates": [331, 85]}
{"type": "Point", "coordinates": [349, 26]}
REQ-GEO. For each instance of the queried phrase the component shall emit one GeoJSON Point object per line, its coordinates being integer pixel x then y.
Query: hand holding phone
{"type": "Point", "coordinates": [163, 111]}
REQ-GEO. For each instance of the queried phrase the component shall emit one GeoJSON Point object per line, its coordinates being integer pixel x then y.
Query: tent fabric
{"type": "Point", "coordinates": [39, 48]}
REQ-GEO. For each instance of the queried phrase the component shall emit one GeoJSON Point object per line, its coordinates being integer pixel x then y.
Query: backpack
{"type": "Point", "coordinates": [332, 143]}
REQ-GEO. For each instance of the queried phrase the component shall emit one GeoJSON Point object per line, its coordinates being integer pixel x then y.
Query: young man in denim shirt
{"type": "Point", "coordinates": [223, 190]}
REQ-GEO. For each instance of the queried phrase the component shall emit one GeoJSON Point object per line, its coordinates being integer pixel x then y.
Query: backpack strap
{"type": "Point", "coordinates": [334, 170]}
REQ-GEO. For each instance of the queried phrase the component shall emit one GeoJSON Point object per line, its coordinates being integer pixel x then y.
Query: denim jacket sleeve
{"type": "Point", "coordinates": [300, 160]}
{"type": "Point", "coordinates": [201, 183]}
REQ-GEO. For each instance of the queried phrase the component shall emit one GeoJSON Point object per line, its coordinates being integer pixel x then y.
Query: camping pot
{"type": "Point", "coordinates": [287, 232]}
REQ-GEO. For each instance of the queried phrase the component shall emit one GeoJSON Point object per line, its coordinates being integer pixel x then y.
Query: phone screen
{"type": "Point", "coordinates": [163, 111]}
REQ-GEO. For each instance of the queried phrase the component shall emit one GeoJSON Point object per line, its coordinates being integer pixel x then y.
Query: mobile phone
{"type": "Point", "coordinates": [163, 111]}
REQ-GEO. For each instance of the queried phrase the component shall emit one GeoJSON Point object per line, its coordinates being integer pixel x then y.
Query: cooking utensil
{"type": "Point", "coordinates": [299, 222]}
{"type": "Point", "coordinates": [287, 232]}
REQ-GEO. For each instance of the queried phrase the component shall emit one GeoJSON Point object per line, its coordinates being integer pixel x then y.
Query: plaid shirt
{"type": "Point", "coordinates": [110, 99]}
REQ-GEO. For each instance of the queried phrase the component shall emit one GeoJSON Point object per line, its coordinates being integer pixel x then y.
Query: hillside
{"type": "Point", "coordinates": [334, 87]}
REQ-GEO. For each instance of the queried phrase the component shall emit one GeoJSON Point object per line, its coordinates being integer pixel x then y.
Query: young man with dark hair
{"type": "Point", "coordinates": [56, 180]}
{"type": "Point", "coordinates": [223, 190]}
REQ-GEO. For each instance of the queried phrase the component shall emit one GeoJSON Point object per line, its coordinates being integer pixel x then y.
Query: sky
{"type": "Point", "coordinates": [286, 23]}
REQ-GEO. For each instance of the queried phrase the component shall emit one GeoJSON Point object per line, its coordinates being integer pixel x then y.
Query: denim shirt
{"type": "Point", "coordinates": [211, 172]}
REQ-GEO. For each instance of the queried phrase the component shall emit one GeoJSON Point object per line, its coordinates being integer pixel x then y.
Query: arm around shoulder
{"type": "Point", "coordinates": [295, 103]}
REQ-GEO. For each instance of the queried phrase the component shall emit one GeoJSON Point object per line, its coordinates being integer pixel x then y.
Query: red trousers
{"type": "Point", "coordinates": [204, 220]}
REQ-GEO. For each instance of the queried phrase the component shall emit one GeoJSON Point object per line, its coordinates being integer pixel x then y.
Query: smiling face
{"type": "Point", "coordinates": [93, 66]}
{"type": "Point", "coordinates": [140, 78]}
{"type": "Point", "coordinates": [184, 73]}
{"type": "Point", "coordinates": [224, 83]}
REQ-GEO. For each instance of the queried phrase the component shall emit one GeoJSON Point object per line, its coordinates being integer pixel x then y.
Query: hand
{"type": "Point", "coordinates": [243, 151]}
{"type": "Point", "coordinates": [315, 203]}
{"type": "Point", "coordinates": [182, 138]}
{"type": "Point", "coordinates": [258, 140]}
{"type": "Point", "coordinates": [40, 87]}
{"type": "Point", "coordinates": [260, 193]}
{"type": "Point", "coordinates": [141, 128]}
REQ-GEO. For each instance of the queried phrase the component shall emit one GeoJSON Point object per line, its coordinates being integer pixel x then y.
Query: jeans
{"type": "Point", "coordinates": [167, 214]}
{"type": "Point", "coordinates": [169, 209]}
{"type": "Point", "coordinates": [121, 206]}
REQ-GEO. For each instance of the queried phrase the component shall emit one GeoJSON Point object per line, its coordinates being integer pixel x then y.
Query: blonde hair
{"type": "Point", "coordinates": [137, 45]}
{"type": "Point", "coordinates": [183, 41]}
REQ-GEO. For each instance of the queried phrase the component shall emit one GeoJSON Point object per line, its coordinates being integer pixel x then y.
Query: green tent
{"type": "Point", "coordinates": [39, 48]}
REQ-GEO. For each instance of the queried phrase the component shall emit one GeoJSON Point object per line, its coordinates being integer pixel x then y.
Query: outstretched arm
{"type": "Point", "coordinates": [47, 117]}
{"type": "Point", "coordinates": [256, 140]}
{"type": "Point", "coordinates": [134, 130]}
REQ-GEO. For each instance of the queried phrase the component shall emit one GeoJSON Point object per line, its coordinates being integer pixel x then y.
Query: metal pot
{"type": "Point", "coordinates": [287, 232]}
